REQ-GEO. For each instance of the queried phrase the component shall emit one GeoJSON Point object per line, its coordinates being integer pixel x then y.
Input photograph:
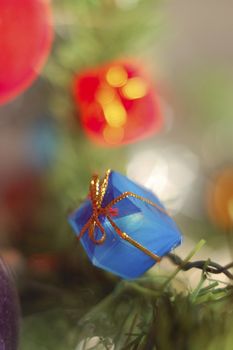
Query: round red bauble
{"type": "Point", "coordinates": [25, 41]}
{"type": "Point", "coordinates": [117, 103]}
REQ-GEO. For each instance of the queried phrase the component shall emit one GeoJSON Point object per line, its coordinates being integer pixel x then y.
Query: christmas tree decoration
{"type": "Point", "coordinates": [123, 227]}
{"type": "Point", "coordinates": [117, 103]}
{"type": "Point", "coordinates": [9, 311]}
{"type": "Point", "coordinates": [25, 41]}
{"type": "Point", "coordinates": [220, 199]}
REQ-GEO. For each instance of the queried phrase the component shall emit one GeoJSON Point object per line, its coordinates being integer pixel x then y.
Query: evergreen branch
{"type": "Point", "coordinates": [182, 263]}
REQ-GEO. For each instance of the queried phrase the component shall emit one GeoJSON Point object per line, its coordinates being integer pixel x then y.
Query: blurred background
{"type": "Point", "coordinates": [143, 87]}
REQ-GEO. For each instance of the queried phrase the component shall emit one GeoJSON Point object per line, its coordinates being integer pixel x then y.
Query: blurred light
{"type": "Point", "coordinates": [105, 95]}
{"type": "Point", "coordinates": [127, 4]}
{"type": "Point", "coordinates": [113, 136]}
{"type": "Point", "coordinates": [217, 143]}
{"type": "Point", "coordinates": [42, 142]}
{"type": "Point", "coordinates": [220, 199]}
{"type": "Point", "coordinates": [230, 208]}
{"type": "Point", "coordinates": [168, 114]}
{"type": "Point", "coordinates": [100, 101]}
{"type": "Point", "coordinates": [28, 147]}
{"type": "Point", "coordinates": [116, 76]}
{"type": "Point", "coordinates": [135, 88]}
{"type": "Point", "coordinates": [168, 172]}
{"type": "Point", "coordinates": [115, 114]}
{"type": "Point", "coordinates": [43, 264]}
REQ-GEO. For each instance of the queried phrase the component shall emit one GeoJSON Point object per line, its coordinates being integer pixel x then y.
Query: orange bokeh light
{"type": "Point", "coordinates": [220, 199]}
{"type": "Point", "coordinates": [117, 103]}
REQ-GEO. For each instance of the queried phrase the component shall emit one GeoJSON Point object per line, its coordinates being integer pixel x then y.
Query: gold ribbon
{"type": "Point", "coordinates": [98, 189]}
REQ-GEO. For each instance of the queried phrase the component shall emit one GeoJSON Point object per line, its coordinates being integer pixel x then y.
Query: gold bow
{"type": "Point", "coordinates": [97, 191]}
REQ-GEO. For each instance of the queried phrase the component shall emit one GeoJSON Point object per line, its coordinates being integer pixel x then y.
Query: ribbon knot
{"type": "Point", "coordinates": [97, 190]}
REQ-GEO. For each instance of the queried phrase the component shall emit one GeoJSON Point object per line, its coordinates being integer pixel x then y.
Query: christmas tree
{"type": "Point", "coordinates": [141, 87]}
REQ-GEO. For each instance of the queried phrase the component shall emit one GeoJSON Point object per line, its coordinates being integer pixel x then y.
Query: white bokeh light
{"type": "Point", "coordinates": [127, 4]}
{"type": "Point", "coordinates": [167, 171]}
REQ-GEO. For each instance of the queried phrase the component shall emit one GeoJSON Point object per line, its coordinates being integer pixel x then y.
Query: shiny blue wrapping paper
{"type": "Point", "coordinates": [152, 228]}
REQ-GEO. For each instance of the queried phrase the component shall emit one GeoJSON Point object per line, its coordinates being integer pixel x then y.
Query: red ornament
{"type": "Point", "coordinates": [25, 40]}
{"type": "Point", "coordinates": [117, 103]}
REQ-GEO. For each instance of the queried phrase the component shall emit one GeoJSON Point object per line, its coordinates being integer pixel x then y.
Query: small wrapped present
{"type": "Point", "coordinates": [123, 227]}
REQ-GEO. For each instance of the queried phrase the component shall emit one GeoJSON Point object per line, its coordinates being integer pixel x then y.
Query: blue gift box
{"type": "Point", "coordinates": [144, 223]}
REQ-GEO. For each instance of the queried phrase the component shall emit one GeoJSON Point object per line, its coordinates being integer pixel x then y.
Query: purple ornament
{"type": "Point", "coordinates": [9, 310]}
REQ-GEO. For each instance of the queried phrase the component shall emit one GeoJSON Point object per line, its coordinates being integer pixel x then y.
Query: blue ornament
{"type": "Point", "coordinates": [123, 227]}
